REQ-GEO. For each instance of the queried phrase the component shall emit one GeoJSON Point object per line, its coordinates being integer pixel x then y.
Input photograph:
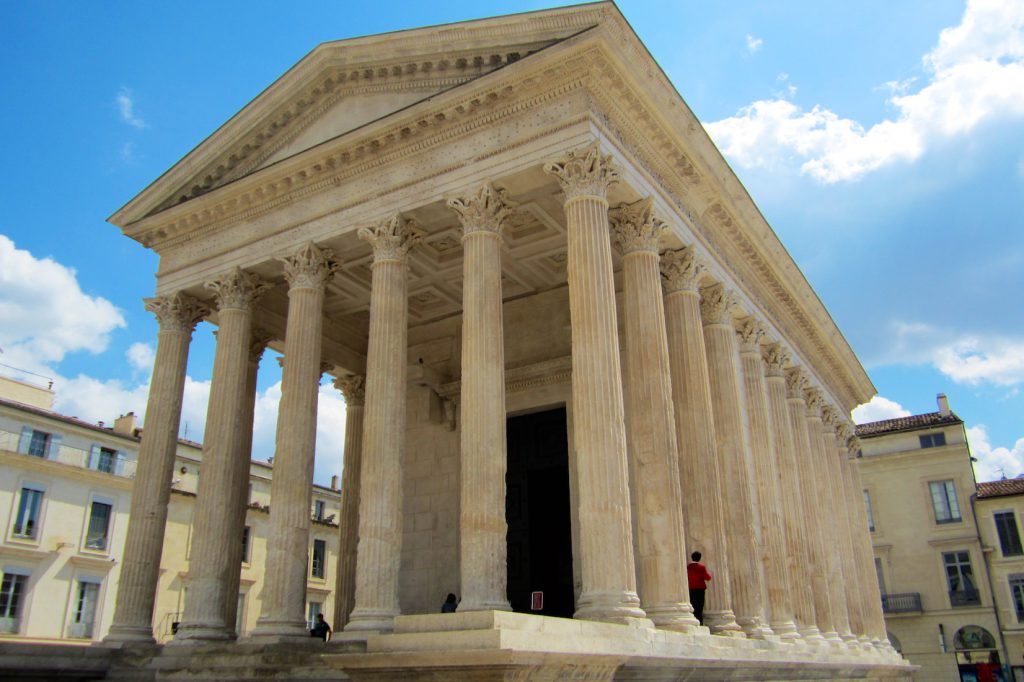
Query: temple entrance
{"type": "Point", "coordinates": [537, 510]}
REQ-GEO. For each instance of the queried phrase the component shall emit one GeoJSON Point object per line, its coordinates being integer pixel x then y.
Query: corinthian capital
{"type": "Point", "coordinates": [716, 304]}
{"type": "Point", "coordinates": [844, 430]}
{"type": "Point", "coordinates": [392, 238]}
{"type": "Point", "coordinates": [310, 268]}
{"type": "Point", "coordinates": [178, 312]}
{"type": "Point", "coordinates": [353, 387]}
{"type": "Point", "coordinates": [829, 417]}
{"type": "Point", "coordinates": [485, 211]}
{"type": "Point", "coordinates": [681, 270]}
{"type": "Point", "coordinates": [815, 402]}
{"type": "Point", "coordinates": [635, 227]}
{"type": "Point", "coordinates": [238, 289]}
{"type": "Point", "coordinates": [796, 382]}
{"type": "Point", "coordinates": [258, 344]}
{"type": "Point", "coordinates": [584, 172]}
{"type": "Point", "coordinates": [853, 444]}
{"type": "Point", "coordinates": [775, 358]}
{"type": "Point", "coordinates": [750, 330]}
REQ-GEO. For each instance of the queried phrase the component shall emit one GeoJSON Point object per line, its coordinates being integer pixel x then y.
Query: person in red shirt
{"type": "Point", "coordinates": [697, 576]}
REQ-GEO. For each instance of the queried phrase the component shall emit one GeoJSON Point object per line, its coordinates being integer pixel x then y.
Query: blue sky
{"type": "Point", "coordinates": [884, 142]}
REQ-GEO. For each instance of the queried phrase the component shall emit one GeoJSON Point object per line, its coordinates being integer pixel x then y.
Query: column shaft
{"type": "Point", "coordinates": [854, 582]}
{"type": "Point", "coordinates": [353, 388]}
{"type": "Point", "coordinates": [650, 427]}
{"type": "Point", "coordinates": [699, 475]}
{"type": "Point", "coordinates": [380, 490]}
{"type": "Point", "coordinates": [140, 570]}
{"type": "Point", "coordinates": [766, 466]}
{"type": "Point", "coordinates": [824, 577]}
{"type": "Point", "coordinates": [740, 511]}
{"type": "Point", "coordinates": [284, 591]}
{"type": "Point", "coordinates": [871, 598]}
{"type": "Point", "coordinates": [836, 509]}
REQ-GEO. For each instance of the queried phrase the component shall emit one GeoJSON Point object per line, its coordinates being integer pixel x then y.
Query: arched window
{"type": "Point", "coordinates": [971, 637]}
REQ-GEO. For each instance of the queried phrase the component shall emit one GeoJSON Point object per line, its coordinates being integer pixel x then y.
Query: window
{"type": "Point", "coordinates": [947, 509]}
{"type": "Point", "coordinates": [39, 444]}
{"type": "Point", "coordinates": [318, 510]}
{"type": "Point", "coordinates": [99, 525]}
{"type": "Point", "coordinates": [315, 608]}
{"type": "Point", "coordinates": [1009, 536]}
{"type": "Point", "coordinates": [319, 557]}
{"type": "Point", "coordinates": [932, 440]}
{"type": "Point", "coordinates": [12, 589]}
{"type": "Point", "coordinates": [26, 523]}
{"type": "Point", "coordinates": [871, 515]}
{"type": "Point", "coordinates": [960, 578]}
{"type": "Point", "coordinates": [85, 610]}
{"type": "Point", "coordinates": [103, 459]}
{"type": "Point", "coordinates": [1017, 593]}
{"type": "Point", "coordinates": [878, 573]}
{"type": "Point", "coordinates": [246, 535]}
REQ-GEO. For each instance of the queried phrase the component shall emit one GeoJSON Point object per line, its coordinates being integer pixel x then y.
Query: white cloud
{"type": "Point", "coordinates": [753, 44]}
{"type": "Point", "coordinates": [126, 107]}
{"type": "Point", "coordinates": [140, 356]}
{"type": "Point", "coordinates": [44, 314]}
{"type": "Point", "coordinates": [976, 72]}
{"type": "Point", "coordinates": [974, 360]}
{"type": "Point", "coordinates": [877, 409]}
{"type": "Point", "coordinates": [994, 463]}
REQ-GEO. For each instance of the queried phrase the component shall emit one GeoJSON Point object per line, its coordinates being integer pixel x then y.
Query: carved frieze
{"type": "Point", "coordinates": [584, 172]}
{"type": "Point", "coordinates": [487, 210]}
{"type": "Point", "coordinates": [238, 289]}
{"type": "Point", "coordinates": [717, 304]}
{"type": "Point", "coordinates": [635, 227]}
{"type": "Point", "coordinates": [311, 267]}
{"type": "Point", "coordinates": [177, 312]}
{"type": "Point", "coordinates": [681, 270]}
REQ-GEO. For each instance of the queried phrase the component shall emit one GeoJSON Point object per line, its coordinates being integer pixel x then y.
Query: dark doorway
{"type": "Point", "coordinates": [537, 510]}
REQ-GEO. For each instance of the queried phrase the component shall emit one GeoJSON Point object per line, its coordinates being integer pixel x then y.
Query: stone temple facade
{"type": "Point", "coordinates": [572, 351]}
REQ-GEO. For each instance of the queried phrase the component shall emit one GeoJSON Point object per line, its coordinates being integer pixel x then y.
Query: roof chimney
{"type": "Point", "coordinates": [125, 424]}
{"type": "Point", "coordinates": [943, 404]}
{"type": "Point", "coordinates": [335, 484]}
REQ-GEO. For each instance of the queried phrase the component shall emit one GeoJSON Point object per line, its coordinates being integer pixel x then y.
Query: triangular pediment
{"type": "Point", "coordinates": [343, 85]}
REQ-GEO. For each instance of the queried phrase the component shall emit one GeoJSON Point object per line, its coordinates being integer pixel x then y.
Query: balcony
{"type": "Point", "coordinates": [72, 456]}
{"type": "Point", "coordinates": [964, 598]}
{"type": "Point", "coordinates": [905, 602]}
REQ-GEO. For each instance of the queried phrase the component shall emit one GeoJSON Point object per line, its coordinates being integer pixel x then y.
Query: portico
{"type": "Point", "coordinates": [468, 223]}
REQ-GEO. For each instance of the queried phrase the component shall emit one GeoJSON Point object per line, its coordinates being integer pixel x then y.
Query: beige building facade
{"type": "Point", "coordinates": [999, 509]}
{"type": "Point", "coordinates": [65, 493]}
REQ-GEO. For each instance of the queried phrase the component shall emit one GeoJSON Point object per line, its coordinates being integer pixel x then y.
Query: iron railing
{"type": "Point", "coordinates": [905, 602]}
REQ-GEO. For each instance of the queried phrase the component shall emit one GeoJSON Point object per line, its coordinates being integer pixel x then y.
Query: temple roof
{"type": "Point", "coordinates": [915, 421]}
{"type": "Point", "coordinates": [1003, 488]}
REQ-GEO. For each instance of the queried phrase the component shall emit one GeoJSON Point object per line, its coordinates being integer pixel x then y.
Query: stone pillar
{"type": "Point", "coordinates": [796, 383]}
{"type": "Point", "coordinates": [827, 607]}
{"type": "Point", "coordinates": [224, 471]}
{"type": "Point", "coordinates": [854, 581]}
{"type": "Point", "coordinates": [842, 545]}
{"type": "Point", "coordinates": [740, 508]}
{"type": "Point", "coordinates": [240, 505]}
{"type": "Point", "coordinates": [380, 488]}
{"type": "Point", "coordinates": [792, 495]}
{"type": "Point", "coordinates": [284, 589]}
{"type": "Point", "coordinates": [599, 432]}
{"type": "Point", "coordinates": [775, 558]}
{"type": "Point", "coordinates": [177, 315]}
{"type": "Point", "coordinates": [353, 387]}
{"type": "Point", "coordinates": [650, 425]}
{"type": "Point", "coordinates": [483, 564]}
{"type": "Point", "coordinates": [699, 475]}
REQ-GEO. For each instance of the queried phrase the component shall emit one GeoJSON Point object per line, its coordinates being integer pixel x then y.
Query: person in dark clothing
{"type": "Point", "coordinates": [320, 628]}
{"type": "Point", "coordinates": [449, 604]}
{"type": "Point", "coordinates": [697, 576]}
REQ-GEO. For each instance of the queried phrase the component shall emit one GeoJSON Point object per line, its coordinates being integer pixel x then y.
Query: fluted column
{"type": "Point", "coordinates": [792, 495]}
{"type": "Point", "coordinates": [240, 505]}
{"type": "Point", "coordinates": [224, 469]}
{"type": "Point", "coordinates": [380, 490]}
{"type": "Point", "coordinates": [699, 474]}
{"type": "Point", "coordinates": [650, 426]}
{"type": "Point", "coordinates": [740, 509]}
{"type": "Point", "coordinates": [841, 541]}
{"type": "Point", "coordinates": [775, 557]}
{"type": "Point", "coordinates": [284, 590]}
{"type": "Point", "coordinates": [353, 387]}
{"type": "Point", "coordinates": [483, 564]}
{"type": "Point", "coordinates": [177, 315]}
{"type": "Point", "coordinates": [854, 581]}
{"type": "Point", "coordinates": [599, 433]}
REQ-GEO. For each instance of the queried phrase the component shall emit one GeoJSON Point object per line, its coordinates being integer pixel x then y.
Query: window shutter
{"type": "Point", "coordinates": [94, 457]}
{"type": "Point", "coordinates": [119, 463]}
{"type": "Point", "coordinates": [53, 449]}
{"type": "Point", "coordinates": [26, 439]}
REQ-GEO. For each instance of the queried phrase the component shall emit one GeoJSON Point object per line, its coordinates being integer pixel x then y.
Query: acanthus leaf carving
{"type": "Point", "coordinates": [258, 344]}
{"type": "Point", "coordinates": [485, 211]}
{"type": "Point", "coordinates": [635, 227]}
{"type": "Point", "coordinates": [796, 382]}
{"type": "Point", "coordinates": [815, 402]}
{"type": "Point", "coordinates": [353, 387]}
{"type": "Point", "coordinates": [177, 312]}
{"type": "Point", "coordinates": [750, 330]}
{"type": "Point", "coordinates": [311, 267]}
{"type": "Point", "coordinates": [717, 304]}
{"type": "Point", "coordinates": [776, 357]}
{"type": "Point", "coordinates": [584, 172]}
{"type": "Point", "coordinates": [392, 238]}
{"type": "Point", "coordinates": [681, 270]}
{"type": "Point", "coordinates": [238, 289]}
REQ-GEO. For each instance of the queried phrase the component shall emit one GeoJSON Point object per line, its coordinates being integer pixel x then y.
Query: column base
{"type": "Point", "coordinates": [786, 630]}
{"type": "Point", "coordinates": [612, 607]}
{"type": "Point", "coordinates": [755, 628]}
{"type": "Point", "coordinates": [465, 606]}
{"type": "Point", "coordinates": [129, 634]}
{"type": "Point", "coordinates": [199, 633]}
{"type": "Point", "coordinates": [812, 634]}
{"type": "Point", "coordinates": [723, 623]}
{"type": "Point", "coordinates": [279, 630]}
{"type": "Point", "coordinates": [677, 617]}
{"type": "Point", "coordinates": [832, 637]}
{"type": "Point", "coordinates": [364, 620]}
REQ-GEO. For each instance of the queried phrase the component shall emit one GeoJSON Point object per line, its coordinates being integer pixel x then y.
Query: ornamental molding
{"type": "Point", "coordinates": [484, 211]}
{"type": "Point", "coordinates": [392, 238]}
{"type": "Point", "coordinates": [776, 357]}
{"type": "Point", "coordinates": [311, 267]}
{"type": "Point", "coordinates": [717, 304]}
{"type": "Point", "coordinates": [353, 388]}
{"type": "Point", "coordinates": [681, 270]}
{"type": "Point", "coordinates": [177, 312]}
{"type": "Point", "coordinates": [584, 172]}
{"type": "Point", "coordinates": [750, 330]}
{"type": "Point", "coordinates": [238, 290]}
{"type": "Point", "coordinates": [635, 227]}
